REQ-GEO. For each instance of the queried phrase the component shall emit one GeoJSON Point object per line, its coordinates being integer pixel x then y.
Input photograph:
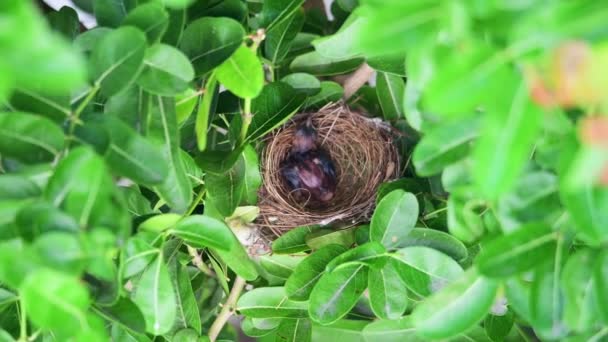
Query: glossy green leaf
{"type": "Point", "coordinates": [441, 316]}
{"type": "Point", "coordinates": [336, 293]}
{"type": "Point", "coordinates": [208, 42]}
{"type": "Point", "coordinates": [547, 302]}
{"type": "Point", "coordinates": [86, 41]}
{"type": "Point", "coordinates": [275, 12]}
{"type": "Point", "coordinates": [226, 190]}
{"type": "Point", "coordinates": [124, 313]}
{"type": "Point", "coordinates": [304, 277]}
{"type": "Point", "coordinates": [425, 270]}
{"type": "Point", "coordinates": [316, 64]}
{"type": "Point", "coordinates": [394, 217]}
{"type": "Point", "coordinates": [438, 240]}
{"type": "Point", "coordinates": [242, 73]}
{"type": "Point", "coordinates": [118, 59]}
{"type": "Point", "coordinates": [390, 90]}
{"type": "Point", "coordinates": [371, 254]}
{"type": "Point", "coordinates": [138, 254]}
{"type": "Point", "coordinates": [301, 82]}
{"type": "Point", "coordinates": [387, 292]}
{"type": "Point", "coordinates": [279, 40]}
{"type": "Point", "coordinates": [293, 241]}
{"type": "Point", "coordinates": [109, 12]}
{"type": "Point", "coordinates": [281, 266]}
{"type": "Point", "coordinates": [155, 297]}
{"type": "Point", "coordinates": [252, 179]}
{"type": "Point", "coordinates": [294, 330]}
{"type": "Point", "coordinates": [201, 231]}
{"type": "Point", "coordinates": [81, 186]}
{"type": "Point", "coordinates": [66, 295]}
{"type": "Point", "coordinates": [506, 143]}
{"type": "Point", "coordinates": [205, 110]}
{"type": "Point", "coordinates": [151, 18]}
{"type": "Point", "coordinates": [175, 189]}
{"type": "Point", "coordinates": [498, 327]}
{"type": "Point", "coordinates": [274, 106]}
{"type": "Point", "coordinates": [330, 92]}
{"type": "Point", "coordinates": [324, 237]}
{"type": "Point", "coordinates": [29, 138]}
{"type": "Point", "coordinates": [600, 284]}
{"type": "Point", "coordinates": [269, 302]}
{"type": "Point", "coordinates": [342, 44]}
{"type": "Point", "coordinates": [520, 251]}
{"type": "Point", "coordinates": [167, 71]}
{"type": "Point", "coordinates": [238, 259]}
{"type": "Point", "coordinates": [444, 145]}
{"type": "Point", "coordinates": [16, 265]}
{"type": "Point", "coordinates": [577, 286]}
{"type": "Point", "coordinates": [251, 330]}
{"type": "Point", "coordinates": [160, 223]}
{"type": "Point", "coordinates": [14, 186]}
{"type": "Point", "coordinates": [132, 155]}
{"type": "Point", "coordinates": [188, 314]}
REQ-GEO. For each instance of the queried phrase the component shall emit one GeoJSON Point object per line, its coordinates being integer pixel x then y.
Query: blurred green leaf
{"type": "Point", "coordinates": [60, 251]}
{"type": "Point", "coordinates": [242, 73]}
{"type": "Point", "coordinates": [304, 277]}
{"type": "Point", "coordinates": [526, 248]}
{"type": "Point", "coordinates": [330, 92]}
{"type": "Point", "coordinates": [342, 44]}
{"type": "Point", "coordinates": [577, 286]}
{"type": "Point", "coordinates": [440, 316]}
{"type": "Point", "coordinates": [387, 292]}
{"type": "Point", "coordinates": [316, 64]}
{"type": "Point", "coordinates": [109, 12]}
{"type": "Point", "coordinates": [390, 90]}
{"type": "Point", "coordinates": [13, 186]}
{"type": "Point", "coordinates": [208, 42]}
{"type": "Point", "coordinates": [118, 59]}
{"type": "Point", "coordinates": [151, 18]}
{"type": "Point", "coordinates": [391, 331]}
{"type": "Point", "coordinates": [394, 217]}
{"type": "Point", "coordinates": [498, 327]}
{"type": "Point", "coordinates": [65, 21]}
{"type": "Point", "coordinates": [600, 284]}
{"type": "Point", "coordinates": [29, 138]}
{"type": "Point", "coordinates": [438, 240]}
{"type": "Point", "coordinates": [547, 302]}
{"type": "Point", "coordinates": [41, 217]}
{"type": "Point", "coordinates": [336, 293]}
{"type": "Point", "coordinates": [302, 82]}
{"type": "Point", "coordinates": [201, 231]}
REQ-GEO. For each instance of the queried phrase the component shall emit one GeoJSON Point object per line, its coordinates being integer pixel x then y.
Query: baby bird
{"type": "Point", "coordinates": [308, 170]}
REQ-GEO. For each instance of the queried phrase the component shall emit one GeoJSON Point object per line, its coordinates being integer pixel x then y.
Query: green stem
{"type": "Point", "coordinates": [440, 210]}
{"type": "Point", "coordinates": [22, 322]}
{"type": "Point", "coordinates": [79, 110]}
{"type": "Point", "coordinates": [246, 121]}
{"type": "Point", "coordinates": [202, 116]}
{"type": "Point", "coordinates": [196, 201]}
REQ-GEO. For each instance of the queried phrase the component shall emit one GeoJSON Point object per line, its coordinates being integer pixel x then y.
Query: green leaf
{"type": "Point", "coordinates": [65, 21]}
{"type": "Point", "coordinates": [438, 240]}
{"type": "Point", "coordinates": [155, 297]}
{"type": "Point", "coordinates": [464, 214]}
{"type": "Point", "coordinates": [577, 286]}
{"type": "Point", "coordinates": [14, 187]}
{"type": "Point", "coordinates": [56, 108]}
{"type": "Point", "coordinates": [226, 190]}
{"type": "Point", "coordinates": [175, 188]}
{"type": "Point", "coordinates": [342, 44]}
{"type": "Point", "coordinates": [387, 292]}
{"type": "Point", "coordinates": [16, 265]}
{"type": "Point", "coordinates": [390, 90]}
{"type": "Point", "coordinates": [205, 110]}
{"type": "Point", "coordinates": [526, 248]}
{"type": "Point", "coordinates": [444, 145]}
{"type": "Point", "coordinates": [242, 73]}
{"type": "Point", "coordinates": [118, 59]}
{"type": "Point", "coordinates": [330, 92]}
{"type": "Point", "coordinates": [29, 138]}
{"type": "Point", "coordinates": [167, 71]}
{"type": "Point", "coordinates": [124, 313]}
{"type": "Point", "coordinates": [506, 143]}
{"type": "Point", "coordinates": [588, 208]}
{"type": "Point", "coordinates": [279, 40]}
{"type": "Point", "coordinates": [188, 315]}
{"type": "Point", "coordinates": [132, 155]}
{"type": "Point", "coordinates": [86, 41]}
{"type": "Point", "coordinates": [109, 12]}
{"type": "Point", "coordinates": [252, 179]}
{"type": "Point", "coordinates": [324, 237]}
{"type": "Point", "coordinates": [547, 302]}
{"type": "Point", "coordinates": [60, 251]}
{"type": "Point", "coordinates": [294, 330]}
{"type": "Point", "coordinates": [280, 266]}
{"type": "Point", "coordinates": [394, 217]}
{"type": "Point", "coordinates": [316, 64]}
{"type": "Point", "coordinates": [202, 231]}
{"type": "Point", "coordinates": [151, 18]}
{"type": "Point", "coordinates": [81, 186]}
{"type": "Point", "coordinates": [138, 254]}
{"type": "Point", "coordinates": [425, 270]}
{"type": "Point", "coordinates": [441, 316]}
{"type": "Point", "coordinates": [66, 295]}
{"type": "Point", "coordinates": [304, 277]}
{"type": "Point", "coordinates": [304, 83]}
{"type": "Point", "coordinates": [498, 327]}
{"type": "Point", "coordinates": [160, 223]}
{"type": "Point", "coordinates": [392, 64]}
{"type": "Point", "coordinates": [238, 259]}
{"type": "Point", "coordinates": [600, 284]}
{"type": "Point", "coordinates": [275, 12]}
{"type": "Point", "coordinates": [250, 329]}
{"type": "Point", "coordinates": [208, 42]}
{"type": "Point", "coordinates": [293, 241]}
{"type": "Point", "coordinates": [392, 331]}
{"type": "Point", "coordinates": [349, 330]}
{"type": "Point", "coordinates": [269, 302]}
{"type": "Point", "coordinates": [371, 254]}
{"type": "Point", "coordinates": [336, 293]}
{"type": "Point", "coordinates": [274, 106]}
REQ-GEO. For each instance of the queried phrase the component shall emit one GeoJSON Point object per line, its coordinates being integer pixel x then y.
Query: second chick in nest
{"type": "Point", "coordinates": [308, 170]}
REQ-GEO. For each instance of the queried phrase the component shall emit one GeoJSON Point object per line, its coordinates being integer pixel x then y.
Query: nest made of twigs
{"type": "Point", "coordinates": [364, 156]}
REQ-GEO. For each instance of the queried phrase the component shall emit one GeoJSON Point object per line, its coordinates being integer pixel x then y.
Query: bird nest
{"type": "Point", "coordinates": [364, 156]}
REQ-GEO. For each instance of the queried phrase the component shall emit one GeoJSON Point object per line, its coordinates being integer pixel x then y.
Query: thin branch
{"type": "Point", "coordinates": [357, 80]}
{"type": "Point", "coordinates": [228, 309]}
